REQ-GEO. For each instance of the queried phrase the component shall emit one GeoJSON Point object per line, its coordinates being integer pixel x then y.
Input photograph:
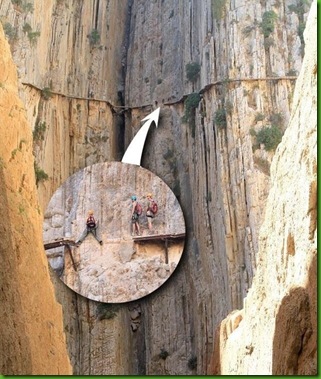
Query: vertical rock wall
{"type": "Point", "coordinates": [70, 60]}
{"type": "Point", "coordinates": [216, 168]}
{"type": "Point", "coordinates": [276, 332]}
{"type": "Point", "coordinates": [31, 329]}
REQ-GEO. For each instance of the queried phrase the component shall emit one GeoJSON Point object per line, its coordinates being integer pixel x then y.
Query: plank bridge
{"type": "Point", "coordinates": [163, 238]}
{"type": "Point", "coordinates": [62, 242]}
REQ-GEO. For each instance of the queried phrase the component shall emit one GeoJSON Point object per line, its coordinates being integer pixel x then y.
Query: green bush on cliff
{"type": "Point", "coordinates": [41, 176]}
{"type": "Point", "coordinates": [10, 31]}
{"type": "Point", "coordinates": [190, 104]}
{"type": "Point", "coordinates": [39, 131]}
{"type": "Point", "coordinates": [46, 93]}
{"type": "Point", "coordinates": [268, 21]}
{"type": "Point", "coordinates": [192, 71]}
{"type": "Point", "coordinates": [27, 28]}
{"type": "Point", "coordinates": [270, 136]}
{"type": "Point", "coordinates": [33, 37]}
{"type": "Point", "coordinates": [94, 37]}
{"type": "Point", "coordinates": [220, 118]}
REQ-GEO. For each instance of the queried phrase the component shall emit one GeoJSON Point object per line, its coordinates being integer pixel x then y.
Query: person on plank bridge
{"type": "Point", "coordinates": [136, 212]}
{"type": "Point", "coordinates": [152, 209]}
{"type": "Point", "coordinates": [91, 227]}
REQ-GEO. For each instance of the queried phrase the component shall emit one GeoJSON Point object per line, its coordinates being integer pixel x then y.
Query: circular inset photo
{"type": "Point", "coordinates": [114, 232]}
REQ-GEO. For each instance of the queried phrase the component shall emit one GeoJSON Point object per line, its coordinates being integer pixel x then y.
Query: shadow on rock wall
{"type": "Point", "coordinates": [294, 344]}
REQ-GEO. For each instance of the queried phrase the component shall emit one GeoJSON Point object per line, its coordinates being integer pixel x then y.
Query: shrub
{"type": "Point", "coordinates": [46, 93]}
{"type": "Point", "coordinates": [27, 7]}
{"type": "Point", "coordinates": [26, 28]}
{"type": "Point", "coordinates": [10, 31]}
{"type": "Point", "coordinates": [94, 37]}
{"type": "Point", "coordinates": [269, 136]}
{"type": "Point", "coordinates": [40, 174]}
{"type": "Point", "coordinates": [33, 37]}
{"type": "Point", "coordinates": [267, 24]}
{"type": "Point", "coordinates": [300, 8]}
{"type": "Point", "coordinates": [190, 104]}
{"type": "Point", "coordinates": [39, 131]}
{"type": "Point", "coordinates": [220, 118]}
{"type": "Point", "coordinates": [192, 71]}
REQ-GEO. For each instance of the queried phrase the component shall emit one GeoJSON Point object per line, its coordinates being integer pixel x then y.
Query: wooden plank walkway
{"type": "Point", "coordinates": [166, 238]}
{"type": "Point", "coordinates": [62, 242]}
{"type": "Point", "coordinates": [158, 237]}
{"type": "Point", "coordinates": [58, 243]}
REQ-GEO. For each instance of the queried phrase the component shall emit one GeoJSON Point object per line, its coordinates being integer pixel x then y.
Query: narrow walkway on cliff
{"type": "Point", "coordinates": [127, 107]}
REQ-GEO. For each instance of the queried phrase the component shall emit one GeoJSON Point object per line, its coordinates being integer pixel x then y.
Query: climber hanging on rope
{"type": "Point", "coordinates": [91, 227]}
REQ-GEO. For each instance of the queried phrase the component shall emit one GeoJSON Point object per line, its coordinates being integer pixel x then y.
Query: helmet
{"type": "Point", "coordinates": [90, 212]}
{"type": "Point", "coordinates": [134, 198]}
{"type": "Point", "coordinates": [149, 195]}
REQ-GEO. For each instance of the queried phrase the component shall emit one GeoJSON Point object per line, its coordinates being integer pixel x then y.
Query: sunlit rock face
{"type": "Point", "coordinates": [32, 339]}
{"type": "Point", "coordinates": [278, 328]}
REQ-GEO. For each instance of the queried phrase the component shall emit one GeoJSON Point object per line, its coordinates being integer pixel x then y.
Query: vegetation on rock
{"type": "Point", "coordinates": [192, 71]}
{"type": "Point", "coordinates": [268, 23]}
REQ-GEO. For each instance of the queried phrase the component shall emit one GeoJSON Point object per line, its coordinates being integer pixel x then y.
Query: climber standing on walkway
{"type": "Point", "coordinates": [152, 209]}
{"type": "Point", "coordinates": [91, 227]}
{"type": "Point", "coordinates": [136, 212]}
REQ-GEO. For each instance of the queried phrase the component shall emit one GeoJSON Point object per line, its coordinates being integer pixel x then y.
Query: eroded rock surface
{"type": "Point", "coordinates": [32, 339]}
{"type": "Point", "coordinates": [277, 334]}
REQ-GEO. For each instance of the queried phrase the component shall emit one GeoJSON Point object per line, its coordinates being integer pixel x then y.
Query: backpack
{"type": "Point", "coordinates": [138, 209]}
{"type": "Point", "coordinates": [154, 207]}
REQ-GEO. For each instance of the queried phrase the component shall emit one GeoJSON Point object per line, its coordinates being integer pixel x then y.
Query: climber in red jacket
{"type": "Point", "coordinates": [91, 227]}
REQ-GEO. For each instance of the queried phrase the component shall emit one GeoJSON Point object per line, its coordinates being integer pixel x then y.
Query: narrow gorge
{"type": "Point", "coordinates": [235, 82]}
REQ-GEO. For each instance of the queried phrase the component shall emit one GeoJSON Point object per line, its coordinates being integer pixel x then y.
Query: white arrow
{"type": "Point", "coordinates": [133, 154]}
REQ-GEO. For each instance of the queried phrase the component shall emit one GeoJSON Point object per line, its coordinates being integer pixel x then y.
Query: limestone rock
{"type": "Point", "coordinates": [278, 332]}
{"type": "Point", "coordinates": [32, 336]}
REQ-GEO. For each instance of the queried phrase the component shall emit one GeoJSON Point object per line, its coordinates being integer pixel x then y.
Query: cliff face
{"type": "Point", "coordinates": [69, 56]}
{"type": "Point", "coordinates": [277, 329]}
{"type": "Point", "coordinates": [240, 62]}
{"type": "Point", "coordinates": [32, 338]}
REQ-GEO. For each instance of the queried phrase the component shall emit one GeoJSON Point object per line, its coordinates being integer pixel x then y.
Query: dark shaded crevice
{"type": "Point", "coordinates": [96, 14]}
{"type": "Point", "coordinates": [119, 124]}
{"type": "Point", "coordinates": [120, 116]}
